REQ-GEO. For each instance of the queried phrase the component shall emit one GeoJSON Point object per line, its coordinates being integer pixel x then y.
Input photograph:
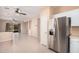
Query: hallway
{"type": "Point", "coordinates": [23, 43]}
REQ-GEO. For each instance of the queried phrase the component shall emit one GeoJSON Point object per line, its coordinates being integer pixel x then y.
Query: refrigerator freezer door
{"type": "Point", "coordinates": [61, 38]}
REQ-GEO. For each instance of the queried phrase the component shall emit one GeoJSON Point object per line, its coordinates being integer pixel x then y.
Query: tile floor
{"type": "Point", "coordinates": [23, 44]}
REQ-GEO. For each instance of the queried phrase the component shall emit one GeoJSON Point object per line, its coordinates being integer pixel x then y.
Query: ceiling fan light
{"type": "Point", "coordinates": [19, 11]}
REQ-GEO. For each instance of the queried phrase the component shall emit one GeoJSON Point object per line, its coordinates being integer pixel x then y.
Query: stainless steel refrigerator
{"type": "Point", "coordinates": [60, 42]}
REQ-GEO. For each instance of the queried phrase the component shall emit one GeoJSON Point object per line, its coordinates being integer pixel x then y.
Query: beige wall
{"type": "Point", "coordinates": [59, 9]}
{"type": "Point", "coordinates": [3, 25]}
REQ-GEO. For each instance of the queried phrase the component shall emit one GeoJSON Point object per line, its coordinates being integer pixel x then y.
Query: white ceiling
{"type": "Point", "coordinates": [8, 12]}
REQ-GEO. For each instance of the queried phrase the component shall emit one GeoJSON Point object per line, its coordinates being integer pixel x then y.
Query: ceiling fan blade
{"type": "Point", "coordinates": [23, 13]}
{"type": "Point", "coordinates": [18, 11]}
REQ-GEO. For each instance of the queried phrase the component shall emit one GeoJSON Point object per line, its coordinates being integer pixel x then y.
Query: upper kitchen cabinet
{"type": "Point", "coordinates": [73, 14]}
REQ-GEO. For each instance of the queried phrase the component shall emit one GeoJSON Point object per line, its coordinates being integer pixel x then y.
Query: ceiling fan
{"type": "Point", "coordinates": [19, 11]}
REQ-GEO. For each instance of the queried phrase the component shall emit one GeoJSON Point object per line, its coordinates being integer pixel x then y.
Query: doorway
{"type": "Point", "coordinates": [17, 28]}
